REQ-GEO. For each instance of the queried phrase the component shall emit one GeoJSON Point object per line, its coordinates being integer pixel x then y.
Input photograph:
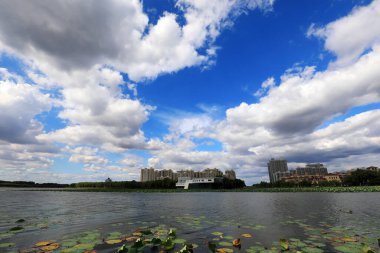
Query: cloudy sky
{"type": "Point", "coordinates": [97, 89]}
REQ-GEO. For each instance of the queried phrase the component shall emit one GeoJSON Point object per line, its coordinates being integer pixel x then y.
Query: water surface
{"type": "Point", "coordinates": [324, 218]}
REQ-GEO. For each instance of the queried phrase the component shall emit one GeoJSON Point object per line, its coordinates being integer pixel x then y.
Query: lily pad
{"type": "Point", "coordinates": [346, 249]}
{"type": "Point", "coordinates": [225, 244]}
{"type": "Point", "coordinates": [84, 246]}
{"type": "Point", "coordinates": [284, 244]}
{"type": "Point", "coordinates": [44, 243]}
{"type": "Point", "coordinates": [217, 233]}
{"type": "Point", "coordinates": [50, 247]}
{"type": "Point", "coordinates": [18, 228]}
{"type": "Point", "coordinates": [225, 250]}
{"type": "Point", "coordinates": [113, 241]}
{"type": "Point", "coordinates": [6, 244]}
{"type": "Point", "coordinates": [247, 235]}
{"type": "Point", "coordinates": [311, 250]}
{"type": "Point", "coordinates": [179, 241]}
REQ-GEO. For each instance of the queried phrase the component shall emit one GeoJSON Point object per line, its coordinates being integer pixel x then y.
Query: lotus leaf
{"type": "Point", "coordinates": [50, 247]}
{"type": "Point", "coordinates": [224, 250]}
{"type": "Point", "coordinates": [247, 235]}
{"type": "Point", "coordinates": [346, 249]}
{"type": "Point", "coordinates": [172, 232]}
{"type": "Point", "coordinates": [311, 250]}
{"type": "Point", "coordinates": [211, 247]}
{"type": "Point", "coordinates": [146, 232]}
{"type": "Point", "coordinates": [284, 244]}
{"type": "Point", "coordinates": [113, 241]}
{"type": "Point", "coordinates": [187, 248]}
{"type": "Point", "coordinates": [84, 246]}
{"type": "Point", "coordinates": [68, 243]}
{"type": "Point", "coordinates": [6, 244]}
{"type": "Point", "coordinates": [179, 241]}
{"type": "Point", "coordinates": [217, 233]}
{"type": "Point", "coordinates": [18, 228]}
{"type": "Point", "coordinates": [138, 243]}
{"type": "Point", "coordinates": [367, 249]}
{"type": "Point", "coordinates": [156, 241]}
{"type": "Point", "coordinates": [44, 243]}
{"type": "Point", "coordinates": [225, 244]}
{"type": "Point", "coordinates": [122, 249]}
{"type": "Point", "coordinates": [168, 244]}
{"type": "Point", "coordinates": [131, 238]}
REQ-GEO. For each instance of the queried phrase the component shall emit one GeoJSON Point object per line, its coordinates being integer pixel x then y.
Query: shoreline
{"type": "Point", "coordinates": [337, 189]}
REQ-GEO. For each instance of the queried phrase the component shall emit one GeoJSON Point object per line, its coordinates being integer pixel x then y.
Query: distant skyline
{"type": "Point", "coordinates": [98, 89]}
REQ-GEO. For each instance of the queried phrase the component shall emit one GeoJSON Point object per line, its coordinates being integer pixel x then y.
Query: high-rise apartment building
{"type": "Point", "coordinates": [275, 166]}
{"type": "Point", "coordinates": [230, 174]}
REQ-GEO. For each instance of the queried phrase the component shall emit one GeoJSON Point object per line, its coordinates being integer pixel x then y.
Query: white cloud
{"type": "Point", "coordinates": [265, 87]}
{"type": "Point", "coordinates": [351, 35]}
{"type": "Point", "coordinates": [116, 33]}
{"type": "Point", "coordinates": [19, 104]}
{"type": "Point", "coordinates": [87, 155]}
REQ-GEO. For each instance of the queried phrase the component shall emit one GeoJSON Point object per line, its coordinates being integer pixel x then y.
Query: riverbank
{"type": "Point", "coordinates": [245, 189]}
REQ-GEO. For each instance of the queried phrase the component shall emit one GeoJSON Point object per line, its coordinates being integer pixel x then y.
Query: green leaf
{"type": "Point", "coordinates": [18, 228]}
{"type": "Point", "coordinates": [168, 244]}
{"type": "Point", "coordinates": [187, 248]}
{"type": "Point", "coordinates": [146, 232]}
{"type": "Point", "coordinates": [211, 247]}
{"type": "Point", "coordinates": [138, 243]}
{"type": "Point", "coordinates": [284, 244]}
{"type": "Point", "coordinates": [367, 249]}
{"type": "Point", "coordinates": [122, 249]}
{"type": "Point", "coordinates": [172, 232]}
{"type": "Point", "coordinates": [156, 241]}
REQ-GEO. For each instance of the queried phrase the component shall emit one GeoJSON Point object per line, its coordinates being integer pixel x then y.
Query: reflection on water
{"type": "Point", "coordinates": [267, 216]}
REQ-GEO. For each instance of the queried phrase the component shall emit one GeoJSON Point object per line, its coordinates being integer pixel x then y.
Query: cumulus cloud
{"type": "Point", "coordinates": [351, 35]}
{"type": "Point", "coordinates": [115, 32]}
{"type": "Point", "coordinates": [86, 155]}
{"type": "Point", "coordinates": [19, 104]}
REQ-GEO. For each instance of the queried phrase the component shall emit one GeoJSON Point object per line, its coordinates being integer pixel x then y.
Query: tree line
{"type": "Point", "coordinates": [359, 177]}
{"type": "Point", "coordinates": [158, 184]}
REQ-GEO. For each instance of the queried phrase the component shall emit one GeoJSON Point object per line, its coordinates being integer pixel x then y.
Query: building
{"type": "Point", "coordinates": [373, 168]}
{"type": "Point", "coordinates": [275, 166]}
{"type": "Point", "coordinates": [147, 175]}
{"type": "Point", "coordinates": [186, 173]}
{"type": "Point", "coordinates": [314, 179]}
{"type": "Point", "coordinates": [152, 174]}
{"type": "Point", "coordinates": [165, 174]}
{"type": "Point", "coordinates": [337, 177]}
{"type": "Point", "coordinates": [312, 169]}
{"type": "Point", "coordinates": [311, 172]}
{"type": "Point", "coordinates": [212, 173]}
{"type": "Point", "coordinates": [204, 182]}
{"type": "Point", "coordinates": [230, 174]}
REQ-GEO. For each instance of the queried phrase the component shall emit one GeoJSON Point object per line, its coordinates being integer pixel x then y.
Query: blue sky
{"type": "Point", "coordinates": [120, 85]}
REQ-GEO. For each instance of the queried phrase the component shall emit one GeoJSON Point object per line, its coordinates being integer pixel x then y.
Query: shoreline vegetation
{"type": "Point", "coordinates": [357, 181]}
{"type": "Point", "coordinates": [335, 189]}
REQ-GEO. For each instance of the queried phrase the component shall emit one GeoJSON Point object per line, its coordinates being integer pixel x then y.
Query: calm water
{"type": "Point", "coordinates": [323, 218]}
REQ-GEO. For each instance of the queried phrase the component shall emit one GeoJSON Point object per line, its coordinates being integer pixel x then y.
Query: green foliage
{"type": "Point", "coordinates": [211, 247]}
{"type": "Point", "coordinates": [187, 248]}
{"type": "Point", "coordinates": [284, 244]}
{"type": "Point", "coordinates": [172, 233]}
{"type": "Point", "coordinates": [362, 177]}
{"type": "Point", "coordinates": [168, 244]}
{"type": "Point", "coordinates": [159, 184]}
{"type": "Point", "coordinates": [31, 184]}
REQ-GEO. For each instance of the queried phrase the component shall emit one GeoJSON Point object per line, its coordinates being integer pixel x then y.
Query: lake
{"type": "Point", "coordinates": [85, 221]}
